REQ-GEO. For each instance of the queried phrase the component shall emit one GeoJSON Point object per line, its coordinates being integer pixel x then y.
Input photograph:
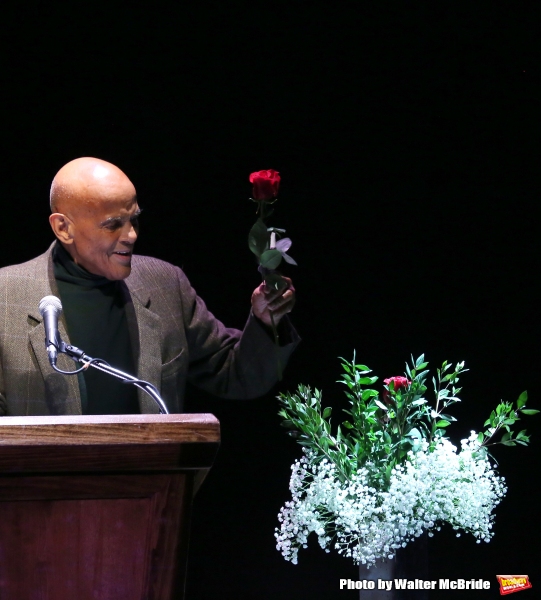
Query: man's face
{"type": "Point", "coordinates": [104, 231]}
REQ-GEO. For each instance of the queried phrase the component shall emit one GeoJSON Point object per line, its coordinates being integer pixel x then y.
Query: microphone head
{"type": "Point", "coordinates": [50, 302]}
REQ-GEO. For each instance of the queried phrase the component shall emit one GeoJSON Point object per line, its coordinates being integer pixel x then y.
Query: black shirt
{"type": "Point", "coordinates": [96, 321]}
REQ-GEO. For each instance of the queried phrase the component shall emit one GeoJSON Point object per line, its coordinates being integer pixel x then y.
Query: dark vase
{"type": "Point", "coordinates": [410, 563]}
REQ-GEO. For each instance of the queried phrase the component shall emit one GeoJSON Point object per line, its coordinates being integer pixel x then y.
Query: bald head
{"type": "Point", "coordinates": [94, 216]}
{"type": "Point", "coordinates": [85, 181]}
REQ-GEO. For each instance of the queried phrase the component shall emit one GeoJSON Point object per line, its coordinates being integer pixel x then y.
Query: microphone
{"type": "Point", "coordinates": [50, 308]}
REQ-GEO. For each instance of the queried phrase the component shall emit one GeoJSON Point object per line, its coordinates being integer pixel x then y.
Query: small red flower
{"type": "Point", "coordinates": [399, 383]}
{"type": "Point", "coordinates": [266, 184]}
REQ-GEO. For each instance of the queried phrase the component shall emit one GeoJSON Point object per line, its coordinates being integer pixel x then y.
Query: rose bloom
{"type": "Point", "coordinates": [266, 184]}
{"type": "Point", "coordinates": [399, 383]}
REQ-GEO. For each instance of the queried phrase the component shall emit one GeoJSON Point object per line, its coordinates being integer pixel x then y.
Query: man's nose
{"type": "Point", "coordinates": [131, 234]}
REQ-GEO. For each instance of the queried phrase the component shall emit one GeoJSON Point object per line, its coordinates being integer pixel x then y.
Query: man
{"type": "Point", "coordinates": [138, 313]}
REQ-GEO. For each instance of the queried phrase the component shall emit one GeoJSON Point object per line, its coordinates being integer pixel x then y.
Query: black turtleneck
{"type": "Point", "coordinates": [96, 322]}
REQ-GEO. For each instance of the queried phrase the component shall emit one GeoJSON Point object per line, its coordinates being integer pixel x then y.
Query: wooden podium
{"type": "Point", "coordinates": [98, 507]}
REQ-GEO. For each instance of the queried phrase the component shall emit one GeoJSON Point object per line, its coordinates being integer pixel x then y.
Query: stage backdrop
{"type": "Point", "coordinates": [407, 137]}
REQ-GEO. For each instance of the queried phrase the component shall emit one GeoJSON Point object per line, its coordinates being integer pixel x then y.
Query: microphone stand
{"type": "Point", "coordinates": [79, 356]}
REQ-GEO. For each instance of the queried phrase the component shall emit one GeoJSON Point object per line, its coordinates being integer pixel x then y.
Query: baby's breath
{"type": "Point", "coordinates": [433, 487]}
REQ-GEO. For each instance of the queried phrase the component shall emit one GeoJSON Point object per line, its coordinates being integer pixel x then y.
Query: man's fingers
{"type": "Point", "coordinates": [288, 297]}
{"type": "Point", "coordinates": [284, 310]}
{"type": "Point", "coordinates": [272, 294]}
{"type": "Point", "coordinates": [281, 311]}
{"type": "Point", "coordinates": [267, 301]}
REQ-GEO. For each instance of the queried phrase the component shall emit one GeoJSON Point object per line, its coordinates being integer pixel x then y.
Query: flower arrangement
{"type": "Point", "coordinates": [390, 473]}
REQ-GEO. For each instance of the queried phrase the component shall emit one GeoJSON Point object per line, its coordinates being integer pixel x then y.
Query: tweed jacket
{"type": "Point", "coordinates": [175, 339]}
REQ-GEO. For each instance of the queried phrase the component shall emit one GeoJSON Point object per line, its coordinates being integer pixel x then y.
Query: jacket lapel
{"type": "Point", "coordinates": [47, 287]}
{"type": "Point", "coordinates": [145, 333]}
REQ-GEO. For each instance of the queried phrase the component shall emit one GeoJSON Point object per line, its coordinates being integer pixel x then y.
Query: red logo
{"type": "Point", "coordinates": [513, 583]}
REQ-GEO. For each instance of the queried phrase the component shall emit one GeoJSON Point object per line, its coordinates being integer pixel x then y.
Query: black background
{"type": "Point", "coordinates": [407, 136]}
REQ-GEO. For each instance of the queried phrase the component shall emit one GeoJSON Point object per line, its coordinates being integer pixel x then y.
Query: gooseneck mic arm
{"type": "Point", "coordinates": [50, 309]}
{"type": "Point", "coordinates": [79, 356]}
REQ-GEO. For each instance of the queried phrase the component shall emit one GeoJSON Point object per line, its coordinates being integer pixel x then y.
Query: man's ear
{"type": "Point", "coordinates": [62, 227]}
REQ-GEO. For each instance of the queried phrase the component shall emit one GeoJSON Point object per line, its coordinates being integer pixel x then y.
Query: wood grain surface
{"type": "Point", "coordinates": [94, 537]}
{"type": "Point", "coordinates": [109, 429]}
{"type": "Point", "coordinates": [108, 443]}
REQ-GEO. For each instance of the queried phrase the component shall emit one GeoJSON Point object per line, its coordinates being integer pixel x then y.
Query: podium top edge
{"type": "Point", "coordinates": [203, 418]}
{"type": "Point", "coordinates": [109, 429]}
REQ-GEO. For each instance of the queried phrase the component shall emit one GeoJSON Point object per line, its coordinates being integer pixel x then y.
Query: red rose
{"type": "Point", "coordinates": [266, 184]}
{"type": "Point", "coordinates": [399, 383]}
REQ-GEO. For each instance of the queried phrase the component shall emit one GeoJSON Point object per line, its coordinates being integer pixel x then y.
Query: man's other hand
{"type": "Point", "coordinates": [266, 301]}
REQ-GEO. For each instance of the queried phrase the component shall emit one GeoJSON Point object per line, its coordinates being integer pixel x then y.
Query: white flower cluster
{"type": "Point", "coordinates": [366, 524]}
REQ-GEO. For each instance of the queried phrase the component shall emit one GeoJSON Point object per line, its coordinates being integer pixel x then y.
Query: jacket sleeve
{"type": "Point", "coordinates": [3, 403]}
{"type": "Point", "coordinates": [228, 362]}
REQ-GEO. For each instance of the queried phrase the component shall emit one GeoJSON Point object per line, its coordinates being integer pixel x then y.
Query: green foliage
{"type": "Point", "coordinates": [381, 428]}
{"type": "Point", "coordinates": [503, 418]}
{"type": "Point", "coordinates": [270, 259]}
{"type": "Point", "coordinates": [258, 239]}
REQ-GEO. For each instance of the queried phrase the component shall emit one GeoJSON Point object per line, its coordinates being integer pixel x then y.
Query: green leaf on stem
{"type": "Point", "coordinates": [419, 362]}
{"type": "Point", "coordinates": [258, 238]}
{"type": "Point", "coordinates": [448, 418]}
{"type": "Point", "coordinates": [270, 259]}
{"type": "Point", "coordinates": [367, 380]}
{"type": "Point", "coordinates": [522, 399]}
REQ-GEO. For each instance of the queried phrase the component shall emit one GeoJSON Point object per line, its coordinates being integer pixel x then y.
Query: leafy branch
{"type": "Point", "coordinates": [503, 418]}
{"type": "Point", "coordinates": [311, 427]}
{"type": "Point", "coordinates": [382, 427]}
